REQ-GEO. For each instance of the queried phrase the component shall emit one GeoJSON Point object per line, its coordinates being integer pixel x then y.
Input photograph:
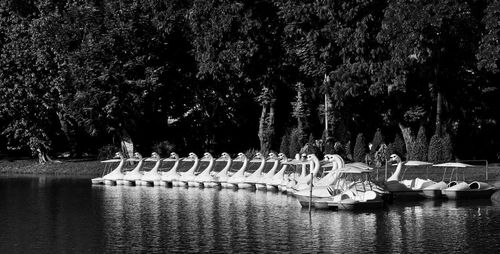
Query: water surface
{"type": "Point", "coordinates": [69, 215]}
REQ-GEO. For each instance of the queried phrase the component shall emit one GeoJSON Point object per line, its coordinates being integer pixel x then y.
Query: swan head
{"type": "Point", "coordinates": [303, 157]}
{"type": "Point", "coordinates": [137, 156]}
{"type": "Point", "coordinates": [282, 157]}
{"type": "Point", "coordinates": [192, 156]}
{"type": "Point", "coordinates": [258, 156]}
{"type": "Point", "coordinates": [155, 155]}
{"type": "Point", "coordinates": [394, 158]}
{"type": "Point", "coordinates": [118, 155]}
{"type": "Point", "coordinates": [174, 156]}
{"type": "Point", "coordinates": [225, 156]}
{"type": "Point", "coordinates": [311, 157]}
{"type": "Point", "coordinates": [240, 157]}
{"type": "Point", "coordinates": [272, 156]}
{"type": "Point", "coordinates": [207, 156]}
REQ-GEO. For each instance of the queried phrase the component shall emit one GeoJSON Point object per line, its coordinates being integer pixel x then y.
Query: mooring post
{"type": "Point", "coordinates": [310, 192]}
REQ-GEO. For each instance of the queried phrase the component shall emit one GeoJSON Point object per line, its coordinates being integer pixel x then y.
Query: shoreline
{"type": "Point", "coordinates": [66, 167]}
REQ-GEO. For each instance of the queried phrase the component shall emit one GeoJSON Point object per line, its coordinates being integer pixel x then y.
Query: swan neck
{"type": "Point", "coordinates": [396, 174]}
{"type": "Point", "coordinates": [174, 168]}
{"type": "Point", "coordinates": [138, 167]}
{"type": "Point", "coordinates": [227, 167]}
{"type": "Point", "coordinates": [157, 165]}
{"type": "Point", "coordinates": [120, 166]}
{"type": "Point", "coordinates": [209, 167]}
{"type": "Point", "coordinates": [194, 167]}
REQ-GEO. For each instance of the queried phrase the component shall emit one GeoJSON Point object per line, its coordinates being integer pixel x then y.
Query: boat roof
{"type": "Point", "coordinates": [111, 161]}
{"type": "Point", "coordinates": [417, 163]}
{"type": "Point", "coordinates": [360, 165]}
{"type": "Point", "coordinates": [453, 165]}
{"type": "Point", "coordinates": [295, 162]}
{"type": "Point", "coordinates": [354, 170]}
{"type": "Point", "coordinates": [150, 159]}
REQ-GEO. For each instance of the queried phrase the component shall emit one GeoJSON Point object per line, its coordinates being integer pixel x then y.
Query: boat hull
{"type": "Point", "coordinates": [354, 205]}
{"type": "Point", "coordinates": [436, 194]}
{"type": "Point", "coordinates": [109, 182]}
{"type": "Point", "coordinates": [260, 186]}
{"type": "Point", "coordinates": [98, 180]}
{"type": "Point", "coordinates": [271, 187]}
{"type": "Point", "coordinates": [246, 186]}
{"type": "Point", "coordinates": [407, 195]}
{"type": "Point", "coordinates": [468, 194]}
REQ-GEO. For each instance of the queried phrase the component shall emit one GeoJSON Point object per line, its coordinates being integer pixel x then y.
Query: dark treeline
{"type": "Point", "coordinates": [215, 75]}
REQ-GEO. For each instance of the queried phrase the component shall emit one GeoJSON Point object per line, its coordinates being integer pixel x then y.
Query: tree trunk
{"type": "Point", "coordinates": [439, 112]}
{"type": "Point", "coordinates": [409, 140]}
{"type": "Point", "coordinates": [67, 133]}
{"type": "Point", "coordinates": [262, 126]}
{"type": "Point", "coordinates": [126, 143]}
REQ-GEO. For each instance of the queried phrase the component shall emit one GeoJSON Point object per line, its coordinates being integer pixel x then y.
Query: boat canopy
{"type": "Point", "coordinates": [360, 165]}
{"type": "Point", "coordinates": [149, 159]}
{"type": "Point", "coordinates": [111, 161]}
{"type": "Point", "coordinates": [295, 162]}
{"type": "Point", "coordinates": [417, 163]}
{"type": "Point", "coordinates": [354, 170]}
{"type": "Point", "coordinates": [453, 165]}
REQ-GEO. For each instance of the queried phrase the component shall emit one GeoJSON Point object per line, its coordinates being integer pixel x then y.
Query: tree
{"type": "Point", "coordinates": [360, 148]}
{"type": "Point", "coordinates": [420, 149]}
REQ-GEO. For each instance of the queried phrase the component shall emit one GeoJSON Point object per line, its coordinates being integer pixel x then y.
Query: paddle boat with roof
{"type": "Point", "coordinates": [464, 190]}
{"type": "Point", "coordinates": [171, 175]}
{"type": "Point", "coordinates": [435, 191]}
{"type": "Point", "coordinates": [406, 189]}
{"type": "Point", "coordinates": [115, 175]}
{"type": "Point", "coordinates": [353, 190]}
{"type": "Point", "coordinates": [152, 177]}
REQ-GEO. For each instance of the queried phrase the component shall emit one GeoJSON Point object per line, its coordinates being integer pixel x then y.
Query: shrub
{"type": "Point", "coordinates": [107, 151]}
{"type": "Point", "coordinates": [250, 153]}
{"type": "Point", "coordinates": [377, 140]}
{"type": "Point", "coordinates": [296, 141]}
{"type": "Point", "coordinates": [421, 147]}
{"type": "Point", "coordinates": [163, 148]}
{"type": "Point", "coordinates": [329, 146]}
{"type": "Point", "coordinates": [447, 147]}
{"type": "Point", "coordinates": [285, 145]}
{"type": "Point", "coordinates": [396, 147]}
{"type": "Point", "coordinates": [347, 153]}
{"type": "Point", "coordinates": [360, 148]}
{"type": "Point", "coordinates": [435, 149]}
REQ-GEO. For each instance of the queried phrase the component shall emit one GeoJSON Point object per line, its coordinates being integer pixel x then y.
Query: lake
{"type": "Point", "coordinates": [50, 214]}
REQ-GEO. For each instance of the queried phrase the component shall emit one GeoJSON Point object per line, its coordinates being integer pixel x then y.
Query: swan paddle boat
{"type": "Point", "coordinates": [239, 176]}
{"type": "Point", "coordinates": [274, 184]}
{"type": "Point", "coordinates": [134, 177]}
{"type": "Point", "coordinates": [107, 168]}
{"type": "Point", "coordinates": [172, 175]}
{"type": "Point", "coordinates": [464, 190]}
{"type": "Point", "coordinates": [205, 179]}
{"type": "Point", "coordinates": [406, 189]}
{"type": "Point", "coordinates": [189, 175]}
{"type": "Point", "coordinates": [115, 175]}
{"type": "Point", "coordinates": [152, 177]}
{"type": "Point", "coordinates": [261, 184]}
{"type": "Point", "coordinates": [353, 190]}
{"type": "Point", "coordinates": [255, 177]}
{"type": "Point", "coordinates": [222, 176]}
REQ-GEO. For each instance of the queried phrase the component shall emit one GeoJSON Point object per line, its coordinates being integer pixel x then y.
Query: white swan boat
{"type": "Point", "coordinates": [274, 183]}
{"type": "Point", "coordinates": [261, 184]}
{"type": "Point", "coordinates": [134, 177]}
{"type": "Point", "coordinates": [205, 179]}
{"type": "Point", "coordinates": [239, 176]}
{"type": "Point", "coordinates": [256, 177]}
{"type": "Point", "coordinates": [172, 175]}
{"type": "Point", "coordinates": [222, 176]}
{"type": "Point", "coordinates": [189, 175]}
{"type": "Point", "coordinates": [107, 168]}
{"type": "Point", "coordinates": [356, 191]}
{"type": "Point", "coordinates": [406, 189]}
{"type": "Point", "coordinates": [115, 175]}
{"type": "Point", "coordinates": [152, 177]}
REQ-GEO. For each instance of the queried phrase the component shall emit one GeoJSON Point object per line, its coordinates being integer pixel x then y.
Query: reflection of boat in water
{"type": "Point", "coordinates": [406, 189]}
{"type": "Point", "coordinates": [496, 197]}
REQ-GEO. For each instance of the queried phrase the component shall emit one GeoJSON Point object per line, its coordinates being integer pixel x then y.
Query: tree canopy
{"type": "Point", "coordinates": [231, 76]}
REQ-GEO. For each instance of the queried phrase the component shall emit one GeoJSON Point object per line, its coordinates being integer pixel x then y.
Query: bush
{"type": "Point", "coordinates": [377, 140]}
{"type": "Point", "coordinates": [107, 151]}
{"type": "Point", "coordinates": [329, 146]}
{"type": "Point", "coordinates": [250, 153]}
{"type": "Point", "coordinates": [435, 149]}
{"type": "Point", "coordinates": [360, 148]}
{"type": "Point", "coordinates": [285, 145]}
{"type": "Point", "coordinates": [347, 153]}
{"type": "Point", "coordinates": [440, 149]}
{"type": "Point", "coordinates": [164, 148]}
{"type": "Point", "coordinates": [296, 141]}
{"type": "Point", "coordinates": [396, 147]}
{"type": "Point", "coordinates": [421, 147]}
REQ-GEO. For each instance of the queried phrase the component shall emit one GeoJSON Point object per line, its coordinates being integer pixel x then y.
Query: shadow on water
{"type": "Point", "coordinates": [69, 215]}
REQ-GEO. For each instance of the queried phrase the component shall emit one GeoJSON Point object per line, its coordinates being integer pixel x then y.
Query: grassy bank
{"type": "Point", "coordinates": [67, 167]}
